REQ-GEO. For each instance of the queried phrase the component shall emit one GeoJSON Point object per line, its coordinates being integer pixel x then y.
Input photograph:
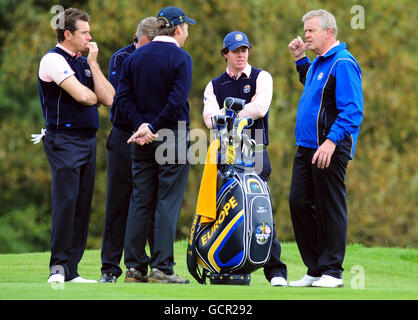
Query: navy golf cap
{"type": "Point", "coordinates": [236, 39]}
{"type": "Point", "coordinates": [173, 16]}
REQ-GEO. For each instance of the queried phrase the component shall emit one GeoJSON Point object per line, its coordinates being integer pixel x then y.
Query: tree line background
{"type": "Point", "coordinates": [382, 180]}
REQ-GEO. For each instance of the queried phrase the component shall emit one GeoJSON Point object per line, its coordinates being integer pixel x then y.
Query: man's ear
{"type": "Point", "coordinates": [329, 32]}
{"type": "Point", "coordinates": [68, 35]}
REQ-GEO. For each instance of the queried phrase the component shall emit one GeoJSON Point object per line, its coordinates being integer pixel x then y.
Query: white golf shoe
{"type": "Point", "coordinates": [82, 280]}
{"type": "Point", "coordinates": [306, 281]}
{"type": "Point", "coordinates": [278, 282]}
{"type": "Point", "coordinates": [328, 282]}
{"type": "Point", "coordinates": [56, 278]}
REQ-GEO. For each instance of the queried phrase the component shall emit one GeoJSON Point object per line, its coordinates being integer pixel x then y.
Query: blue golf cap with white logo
{"type": "Point", "coordinates": [236, 39]}
{"type": "Point", "coordinates": [173, 16]}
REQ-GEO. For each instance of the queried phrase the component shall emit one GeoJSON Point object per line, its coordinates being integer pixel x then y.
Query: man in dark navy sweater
{"type": "Point", "coordinates": [119, 169]}
{"type": "Point", "coordinates": [240, 80]}
{"type": "Point", "coordinates": [153, 91]}
{"type": "Point", "coordinates": [70, 89]}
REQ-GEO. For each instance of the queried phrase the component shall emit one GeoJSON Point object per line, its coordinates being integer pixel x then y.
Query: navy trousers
{"type": "Point", "coordinates": [73, 163]}
{"type": "Point", "coordinates": [319, 213]}
{"type": "Point", "coordinates": [274, 267]}
{"type": "Point", "coordinates": [158, 190]}
{"type": "Point", "coordinates": [118, 197]}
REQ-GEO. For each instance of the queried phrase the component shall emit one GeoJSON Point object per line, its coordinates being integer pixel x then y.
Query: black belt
{"type": "Point", "coordinates": [79, 132]}
{"type": "Point", "coordinates": [127, 128]}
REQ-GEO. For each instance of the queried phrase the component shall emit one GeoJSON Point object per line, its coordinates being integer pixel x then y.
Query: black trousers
{"type": "Point", "coordinates": [73, 162]}
{"type": "Point", "coordinates": [118, 197]}
{"type": "Point", "coordinates": [274, 267]}
{"type": "Point", "coordinates": [158, 190]}
{"type": "Point", "coordinates": [319, 213]}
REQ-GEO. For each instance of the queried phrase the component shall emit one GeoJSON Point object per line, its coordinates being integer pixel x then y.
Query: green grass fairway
{"type": "Point", "coordinates": [388, 273]}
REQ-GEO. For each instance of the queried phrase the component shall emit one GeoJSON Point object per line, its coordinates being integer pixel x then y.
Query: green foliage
{"type": "Point", "coordinates": [29, 224]}
{"type": "Point", "coordinates": [382, 180]}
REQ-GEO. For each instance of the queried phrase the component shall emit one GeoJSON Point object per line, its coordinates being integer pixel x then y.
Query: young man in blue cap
{"type": "Point", "coordinates": [153, 91]}
{"type": "Point", "coordinates": [241, 80]}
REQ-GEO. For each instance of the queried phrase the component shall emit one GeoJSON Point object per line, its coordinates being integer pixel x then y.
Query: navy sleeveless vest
{"type": "Point", "coordinates": [244, 88]}
{"type": "Point", "coordinates": [61, 111]}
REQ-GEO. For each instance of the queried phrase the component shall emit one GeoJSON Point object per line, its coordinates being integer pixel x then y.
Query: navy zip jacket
{"type": "Point", "coordinates": [61, 111]}
{"type": "Point", "coordinates": [117, 117]}
{"type": "Point", "coordinates": [331, 106]}
{"type": "Point", "coordinates": [158, 94]}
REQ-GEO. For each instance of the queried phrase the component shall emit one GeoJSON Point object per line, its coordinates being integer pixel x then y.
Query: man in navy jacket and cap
{"type": "Point", "coordinates": [153, 91]}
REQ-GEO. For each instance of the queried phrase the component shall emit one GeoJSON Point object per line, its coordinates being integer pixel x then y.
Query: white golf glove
{"type": "Point", "coordinates": [36, 138]}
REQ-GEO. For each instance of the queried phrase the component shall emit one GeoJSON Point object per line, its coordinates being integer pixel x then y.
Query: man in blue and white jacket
{"type": "Point", "coordinates": [119, 168]}
{"type": "Point", "coordinates": [327, 127]}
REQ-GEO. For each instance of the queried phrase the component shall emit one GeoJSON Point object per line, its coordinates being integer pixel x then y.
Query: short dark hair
{"type": "Point", "coordinates": [70, 17]}
{"type": "Point", "coordinates": [224, 51]}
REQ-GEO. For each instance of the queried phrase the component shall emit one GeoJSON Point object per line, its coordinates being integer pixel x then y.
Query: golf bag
{"type": "Point", "coordinates": [239, 241]}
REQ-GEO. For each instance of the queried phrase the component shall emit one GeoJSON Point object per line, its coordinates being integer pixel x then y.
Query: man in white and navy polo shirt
{"type": "Point", "coordinates": [255, 86]}
{"type": "Point", "coordinates": [70, 89]}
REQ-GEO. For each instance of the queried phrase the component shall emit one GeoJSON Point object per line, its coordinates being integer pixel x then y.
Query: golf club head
{"type": "Point", "coordinates": [246, 145]}
{"type": "Point", "coordinates": [234, 104]}
{"type": "Point", "coordinates": [242, 123]}
{"type": "Point", "coordinates": [221, 119]}
{"type": "Point", "coordinates": [246, 139]}
{"type": "Point", "coordinates": [250, 122]}
{"type": "Point", "coordinates": [258, 148]}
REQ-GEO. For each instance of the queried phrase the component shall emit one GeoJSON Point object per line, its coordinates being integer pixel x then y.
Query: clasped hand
{"type": "Point", "coordinates": [143, 135]}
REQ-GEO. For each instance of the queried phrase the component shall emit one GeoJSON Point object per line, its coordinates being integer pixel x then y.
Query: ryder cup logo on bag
{"type": "Point", "coordinates": [262, 233]}
{"type": "Point", "coordinates": [320, 76]}
{"type": "Point", "coordinates": [254, 186]}
{"type": "Point", "coordinates": [247, 88]}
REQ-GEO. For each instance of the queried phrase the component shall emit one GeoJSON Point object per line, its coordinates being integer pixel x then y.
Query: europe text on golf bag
{"type": "Point", "coordinates": [239, 240]}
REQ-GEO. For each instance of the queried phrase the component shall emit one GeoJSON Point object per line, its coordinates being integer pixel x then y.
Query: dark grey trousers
{"type": "Point", "coordinates": [158, 191]}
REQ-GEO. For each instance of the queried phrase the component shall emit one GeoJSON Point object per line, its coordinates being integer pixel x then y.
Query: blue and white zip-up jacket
{"type": "Point", "coordinates": [117, 117]}
{"type": "Point", "coordinates": [331, 106]}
